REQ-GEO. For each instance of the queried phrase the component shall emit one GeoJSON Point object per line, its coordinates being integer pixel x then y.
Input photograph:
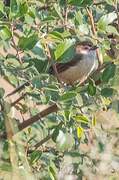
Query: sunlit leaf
{"type": "Point", "coordinates": [23, 8]}
{"type": "Point", "coordinates": [94, 121]}
{"type": "Point", "coordinates": [62, 48]}
{"type": "Point", "coordinates": [5, 33]}
{"type": "Point", "coordinates": [80, 132]}
{"type": "Point", "coordinates": [27, 43]}
{"type": "Point", "coordinates": [58, 11]}
{"type": "Point", "coordinates": [68, 96]}
{"type": "Point", "coordinates": [111, 2]}
{"type": "Point", "coordinates": [112, 30]}
{"type": "Point", "coordinates": [81, 118]}
{"type": "Point", "coordinates": [105, 20]}
{"type": "Point", "coordinates": [56, 36]}
{"type": "Point", "coordinates": [2, 7]}
{"type": "Point", "coordinates": [52, 173]}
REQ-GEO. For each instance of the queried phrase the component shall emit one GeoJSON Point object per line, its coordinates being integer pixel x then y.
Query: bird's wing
{"type": "Point", "coordinates": [64, 66]}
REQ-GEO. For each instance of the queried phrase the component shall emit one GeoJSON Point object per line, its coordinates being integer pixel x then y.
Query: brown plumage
{"type": "Point", "coordinates": [81, 65]}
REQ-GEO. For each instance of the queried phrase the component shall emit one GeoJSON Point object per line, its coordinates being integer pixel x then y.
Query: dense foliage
{"type": "Point", "coordinates": [69, 129]}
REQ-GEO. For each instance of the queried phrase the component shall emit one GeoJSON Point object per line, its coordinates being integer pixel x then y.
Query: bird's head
{"type": "Point", "coordinates": [85, 48]}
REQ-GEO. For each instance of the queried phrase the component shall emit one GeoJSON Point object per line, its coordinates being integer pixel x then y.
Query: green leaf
{"type": "Point", "coordinates": [81, 118]}
{"type": "Point", "coordinates": [105, 20]}
{"type": "Point", "coordinates": [6, 167]}
{"type": "Point", "coordinates": [5, 33]}
{"type": "Point", "coordinates": [2, 92]}
{"type": "Point", "coordinates": [39, 52]}
{"type": "Point", "coordinates": [84, 29]}
{"type": "Point", "coordinates": [108, 73]}
{"type": "Point", "coordinates": [110, 2]}
{"type": "Point", "coordinates": [68, 96]}
{"type": "Point", "coordinates": [30, 17]}
{"type": "Point", "coordinates": [58, 11]}
{"type": "Point", "coordinates": [52, 173]}
{"type": "Point", "coordinates": [79, 17]}
{"type": "Point", "coordinates": [106, 44]}
{"type": "Point", "coordinates": [35, 156]}
{"type": "Point", "coordinates": [14, 6]}
{"type": "Point", "coordinates": [2, 7]}
{"type": "Point", "coordinates": [80, 2]}
{"type": "Point", "coordinates": [7, 107]}
{"type": "Point", "coordinates": [107, 92]}
{"type": "Point", "coordinates": [112, 30]}
{"type": "Point", "coordinates": [56, 36]}
{"type": "Point", "coordinates": [27, 43]}
{"type": "Point", "coordinates": [6, 150]}
{"type": "Point", "coordinates": [36, 82]}
{"type": "Point", "coordinates": [12, 78]}
{"type": "Point", "coordinates": [55, 134]}
{"type": "Point", "coordinates": [62, 48]}
{"type": "Point", "coordinates": [23, 8]}
{"type": "Point", "coordinates": [91, 88]}
{"type": "Point", "coordinates": [12, 62]}
{"type": "Point", "coordinates": [40, 65]}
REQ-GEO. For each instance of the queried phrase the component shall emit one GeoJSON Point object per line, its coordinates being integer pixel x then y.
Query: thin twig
{"type": "Point", "coordinates": [14, 44]}
{"type": "Point", "coordinates": [117, 12]}
{"type": "Point", "coordinates": [94, 33]}
{"type": "Point", "coordinates": [19, 99]}
{"type": "Point", "coordinates": [43, 141]}
{"type": "Point", "coordinates": [49, 136]}
{"type": "Point", "coordinates": [65, 15]}
{"type": "Point", "coordinates": [99, 3]}
{"type": "Point", "coordinates": [19, 88]}
{"type": "Point", "coordinates": [53, 65]}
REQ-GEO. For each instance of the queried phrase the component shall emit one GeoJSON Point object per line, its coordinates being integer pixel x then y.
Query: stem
{"type": "Point", "coordinates": [100, 60]}
{"type": "Point", "coordinates": [19, 99]}
{"type": "Point", "coordinates": [14, 44]}
{"type": "Point", "coordinates": [43, 141]}
{"type": "Point", "coordinates": [117, 11]}
{"type": "Point", "coordinates": [18, 88]}
{"type": "Point", "coordinates": [53, 65]}
{"type": "Point", "coordinates": [65, 15]}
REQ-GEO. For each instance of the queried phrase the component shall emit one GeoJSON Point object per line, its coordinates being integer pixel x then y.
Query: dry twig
{"type": "Point", "coordinates": [94, 33]}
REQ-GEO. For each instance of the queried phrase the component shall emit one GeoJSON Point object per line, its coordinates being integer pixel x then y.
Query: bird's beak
{"type": "Point", "coordinates": [94, 47]}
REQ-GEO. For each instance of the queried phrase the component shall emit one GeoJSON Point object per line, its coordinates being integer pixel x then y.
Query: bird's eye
{"type": "Point", "coordinates": [86, 48]}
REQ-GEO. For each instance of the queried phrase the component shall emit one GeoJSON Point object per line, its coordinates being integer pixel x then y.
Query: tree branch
{"type": "Point", "coordinates": [28, 122]}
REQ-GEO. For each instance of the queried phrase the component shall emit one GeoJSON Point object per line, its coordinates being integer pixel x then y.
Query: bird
{"type": "Point", "coordinates": [80, 67]}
